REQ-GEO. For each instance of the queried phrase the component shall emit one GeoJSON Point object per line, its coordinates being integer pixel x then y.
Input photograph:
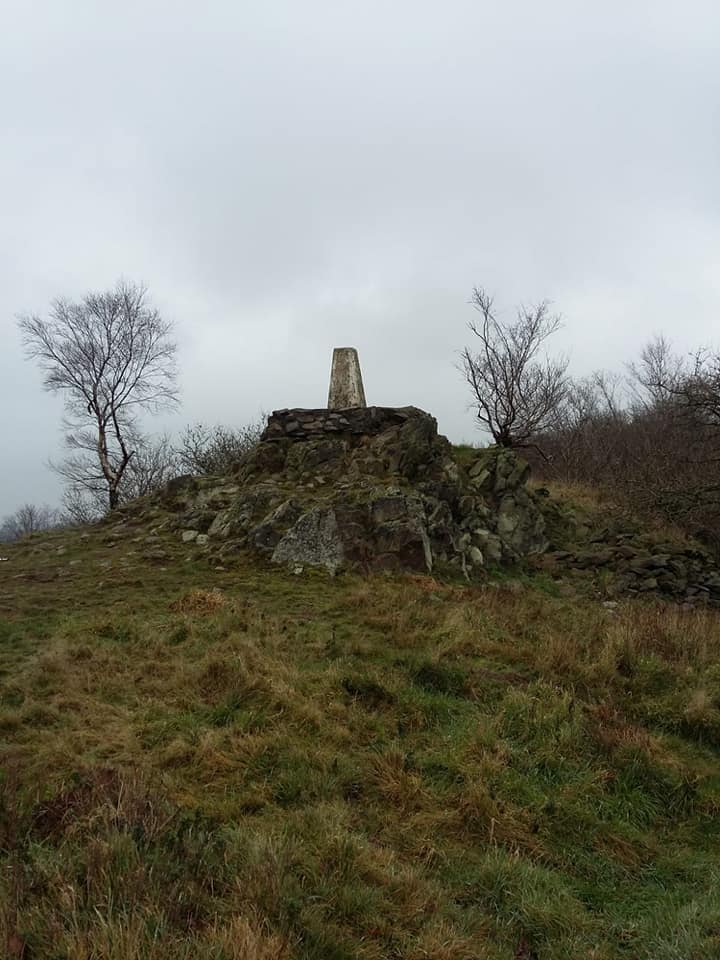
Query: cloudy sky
{"type": "Point", "coordinates": [289, 176]}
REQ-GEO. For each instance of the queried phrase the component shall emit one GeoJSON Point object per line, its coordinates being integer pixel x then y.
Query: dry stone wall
{"type": "Point", "coordinates": [301, 424]}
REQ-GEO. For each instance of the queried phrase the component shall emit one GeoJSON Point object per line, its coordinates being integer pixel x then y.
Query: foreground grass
{"type": "Point", "coordinates": [247, 764]}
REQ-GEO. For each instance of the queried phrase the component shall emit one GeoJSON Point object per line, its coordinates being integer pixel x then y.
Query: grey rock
{"type": "Point", "coordinates": [265, 536]}
{"type": "Point", "coordinates": [405, 544]}
{"type": "Point", "coordinates": [156, 556]}
{"type": "Point", "coordinates": [220, 527]}
{"type": "Point", "coordinates": [475, 557]}
{"type": "Point", "coordinates": [313, 540]}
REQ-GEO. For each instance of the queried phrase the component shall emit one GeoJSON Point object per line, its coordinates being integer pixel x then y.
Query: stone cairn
{"type": "Point", "coordinates": [357, 487]}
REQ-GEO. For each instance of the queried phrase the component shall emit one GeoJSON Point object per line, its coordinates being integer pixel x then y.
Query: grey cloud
{"type": "Point", "coordinates": [288, 177]}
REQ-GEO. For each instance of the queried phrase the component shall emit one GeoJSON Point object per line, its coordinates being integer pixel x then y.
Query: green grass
{"type": "Point", "coordinates": [248, 764]}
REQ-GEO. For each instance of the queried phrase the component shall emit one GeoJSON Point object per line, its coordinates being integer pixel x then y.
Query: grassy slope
{"type": "Point", "coordinates": [301, 767]}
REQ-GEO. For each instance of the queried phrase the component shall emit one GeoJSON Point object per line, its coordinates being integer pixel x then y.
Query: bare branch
{"type": "Point", "coordinates": [215, 450]}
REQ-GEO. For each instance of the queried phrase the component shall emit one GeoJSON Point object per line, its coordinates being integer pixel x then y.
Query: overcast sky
{"type": "Point", "coordinates": [289, 176]}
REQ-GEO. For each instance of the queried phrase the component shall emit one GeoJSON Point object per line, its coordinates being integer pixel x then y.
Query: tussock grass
{"type": "Point", "coordinates": [248, 764]}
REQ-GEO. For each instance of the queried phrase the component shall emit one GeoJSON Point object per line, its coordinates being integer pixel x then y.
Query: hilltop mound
{"type": "Point", "coordinates": [378, 488]}
{"type": "Point", "coordinates": [366, 488]}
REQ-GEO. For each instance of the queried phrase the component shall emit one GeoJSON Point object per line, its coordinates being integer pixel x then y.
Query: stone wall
{"type": "Point", "coordinates": [299, 424]}
{"type": "Point", "coordinates": [631, 562]}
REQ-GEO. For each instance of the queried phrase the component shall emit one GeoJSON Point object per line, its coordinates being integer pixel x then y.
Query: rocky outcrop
{"type": "Point", "coordinates": [365, 488]}
{"type": "Point", "coordinates": [501, 476]}
{"type": "Point", "coordinates": [378, 488]}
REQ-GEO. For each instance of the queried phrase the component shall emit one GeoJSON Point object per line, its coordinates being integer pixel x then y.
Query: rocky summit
{"type": "Point", "coordinates": [364, 488]}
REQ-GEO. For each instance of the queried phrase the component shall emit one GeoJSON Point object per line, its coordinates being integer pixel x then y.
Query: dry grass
{"type": "Point", "coordinates": [265, 766]}
{"type": "Point", "coordinates": [582, 495]}
{"type": "Point", "coordinates": [200, 602]}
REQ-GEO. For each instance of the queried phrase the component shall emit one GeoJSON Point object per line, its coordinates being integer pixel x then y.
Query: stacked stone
{"type": "Point", "coordinates": [640, 566]}
{"type": "Point", "coordinates": [300, 424]}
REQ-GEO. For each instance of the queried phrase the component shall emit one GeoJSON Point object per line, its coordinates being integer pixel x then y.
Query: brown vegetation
{"type": "Point", "coordinates": [651, 443]}
{"type": "Point", "coordinates": [245, 763]}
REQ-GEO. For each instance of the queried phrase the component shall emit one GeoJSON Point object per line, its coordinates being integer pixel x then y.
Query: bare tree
{"type": "Point", "coordinates": [657, 373]}
{"type": "Point", "coordinates": [111, 356]}
{"type": "Point", "coordinates": [587, 426]}
{"type": "Point", "coordinates": [27, 519]}
{"type": "Point", "coordinates": [516, 391]}
{"type": "Point", "coordinates": [79, 507]}
{"type": "Point", "coordinates": [688, 388]}
{"type": "Point", "coordinates": [692, 385]}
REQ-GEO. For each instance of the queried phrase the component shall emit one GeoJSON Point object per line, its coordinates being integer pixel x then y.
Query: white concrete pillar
{"type": "Point", "coordinates": [346, 386]}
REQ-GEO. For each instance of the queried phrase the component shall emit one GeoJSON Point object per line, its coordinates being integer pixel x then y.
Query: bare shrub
{"type": "Point", "coordinates": [214, 450]}
{"type": "Point", "coordinates": [154, 462]}
{"type": "Point", "coordinates": [651, 439]}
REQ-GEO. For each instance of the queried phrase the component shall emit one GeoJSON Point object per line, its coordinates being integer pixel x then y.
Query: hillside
{"type": "Point", "coordinates": [215, 756]}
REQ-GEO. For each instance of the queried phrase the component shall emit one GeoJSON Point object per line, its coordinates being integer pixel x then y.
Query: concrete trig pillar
{"type": "Point", "coordinates": [346, 386]}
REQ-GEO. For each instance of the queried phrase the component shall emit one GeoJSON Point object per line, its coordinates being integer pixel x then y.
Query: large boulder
{"type": "Point", "coordinates": [314, 539]}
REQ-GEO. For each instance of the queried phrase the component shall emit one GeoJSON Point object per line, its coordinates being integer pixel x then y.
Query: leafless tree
{"type": "Point", "coordinates": [79, 507]}
{"type": "Point", "coordinates": [686, 388]}
{"type": "Point", "coordinates": [691, 385]}
{"type": "Point", "coordinates": [27, 519]}
{"type": "Point", "coordinates": [657, 372]}
{"type": "Point", "coordinates": [516, 389]}
{"type": "Point", "coordinates": [155, 463]}
{"type": "Point", "coordinates": [587, 425]}
{"type": "Point", "coordinates": [111, 356]}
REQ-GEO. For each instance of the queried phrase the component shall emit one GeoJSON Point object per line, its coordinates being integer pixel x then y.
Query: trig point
{"type": "Point", "coordinates": [346, 386]}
